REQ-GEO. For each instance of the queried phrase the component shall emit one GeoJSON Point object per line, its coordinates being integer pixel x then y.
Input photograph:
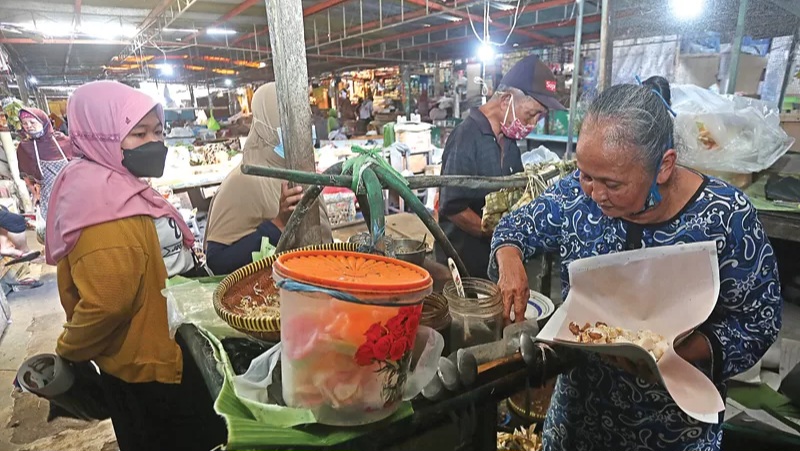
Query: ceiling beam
{"type": "Point", "coordinates": [422, 12]}
{"type": "Point", "coordinates": [165, 18]}
{"type": "Point", "coordinates": [240, 8]}
{"type": "Point", "coordinates": [63, 41]}
{"type": "Point", "coordinates": [322, 6]}
{"type": "Point", "coordinates": [153, 14]}
{"type": "Point", "coordinates": [313, 9]}
{"type": "Point", "coordinates": [427, 4]}
{"type": "Point", "coordinates": [469, 35]}
{"type": "Point", "coordinates": [447, 26]}
{"type": "Point", "coordinates": [386, 23]}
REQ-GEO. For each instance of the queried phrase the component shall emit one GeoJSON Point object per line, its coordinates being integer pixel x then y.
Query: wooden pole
{"type": "Point", "coordinates": [736, 48]}
{"type": "Point", "coordinates": [22, 80]}
{"type": "Point", "coordinates": [606, 47]}
{"type": "Point", "coordinates": [285, 20]}
{"type": "Point", "coordinates": [414, 182]}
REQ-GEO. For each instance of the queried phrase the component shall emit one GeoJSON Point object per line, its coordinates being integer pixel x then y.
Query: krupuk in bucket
{"type": "Point", "coordinates": [348, 325]}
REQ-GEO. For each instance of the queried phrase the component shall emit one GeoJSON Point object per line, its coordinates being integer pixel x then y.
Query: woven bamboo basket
{"type": "Point", "coordinates": [265, 327]}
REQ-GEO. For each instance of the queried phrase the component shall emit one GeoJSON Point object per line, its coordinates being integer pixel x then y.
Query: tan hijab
{"type": "Point", "coordinates": [245, 201]}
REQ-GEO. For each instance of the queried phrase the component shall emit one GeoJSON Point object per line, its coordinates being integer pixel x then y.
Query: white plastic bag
{"type": "Point", "coordinates": [40, 226]}
{"type": "Point", "coordinates": [538, 155]}
{"type": "Point", "coordinates": [253, 384]}
{"type": "Point", "coordinates": [727, 133]}
{"type": "Point", "coordinates": [190, 303]}
{"type": "Point", "coordinates": [429, 345]}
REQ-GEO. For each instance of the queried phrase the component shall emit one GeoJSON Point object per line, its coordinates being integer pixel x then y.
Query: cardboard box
{"type": "Point", "coordinates": [417, 162]}
{"type": "Point", "coordinates": [790, 122]}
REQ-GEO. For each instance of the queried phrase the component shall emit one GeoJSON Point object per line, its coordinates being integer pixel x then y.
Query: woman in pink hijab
{"type": "Point", "coordinates": [102, 234]}
{"type": "Point", "coordinates": [42, 153]}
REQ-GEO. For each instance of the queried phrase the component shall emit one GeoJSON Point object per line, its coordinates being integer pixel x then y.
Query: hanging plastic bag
{"type": "Point", "coordinates": [188, 302]}
{"type": "Point", "coordinates": [539, 155]}
{"type": "Point", "coordinates": [212, 124]}
{"type": "Point", "coordinates": [40, 226]}
{"type": "Point", "coordinates": [726, 133]}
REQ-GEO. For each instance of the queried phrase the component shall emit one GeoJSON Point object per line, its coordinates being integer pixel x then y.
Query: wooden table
{"type": "Point", "coordinates": [783, 226]}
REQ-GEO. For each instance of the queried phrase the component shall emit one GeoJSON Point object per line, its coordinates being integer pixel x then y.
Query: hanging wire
{"type": "Point", "coordinates": [486, 39]}
{"type": "Point", "coordinates": [480, 81]}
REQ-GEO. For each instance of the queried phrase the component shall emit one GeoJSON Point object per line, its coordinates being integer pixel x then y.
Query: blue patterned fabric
{"type": "Point", "coordinates": [599, 407]}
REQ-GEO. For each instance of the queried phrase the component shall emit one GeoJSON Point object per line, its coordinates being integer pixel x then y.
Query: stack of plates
{"type": "Point", "coordinates": [540, 307]}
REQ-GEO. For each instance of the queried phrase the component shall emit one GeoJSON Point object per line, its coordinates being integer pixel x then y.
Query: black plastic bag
{"type": "Point", "coordinates": [781, 188]}
{"type": "Point", "coordinates": [72, 388]}
{"type": "Point", "coordinates": [242, 351]}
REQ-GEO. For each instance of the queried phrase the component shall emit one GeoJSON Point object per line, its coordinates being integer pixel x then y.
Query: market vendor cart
{"type": "Point", "coordinates": [465, 421]}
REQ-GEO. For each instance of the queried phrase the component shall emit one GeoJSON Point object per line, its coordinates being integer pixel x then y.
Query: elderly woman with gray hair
{"type": "Point", "coordinates": [628, 193]}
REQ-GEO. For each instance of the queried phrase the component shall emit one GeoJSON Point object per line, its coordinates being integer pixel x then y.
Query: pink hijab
{"type": "Point", "coordinates": [96, 188]}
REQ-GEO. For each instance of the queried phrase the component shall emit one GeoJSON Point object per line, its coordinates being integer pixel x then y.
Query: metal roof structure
{"type": "Point", "coordinates": [205, 41]}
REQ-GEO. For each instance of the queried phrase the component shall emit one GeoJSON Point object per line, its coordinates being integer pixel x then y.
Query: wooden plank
{"type": "Point", "coordinates": [285, 20]}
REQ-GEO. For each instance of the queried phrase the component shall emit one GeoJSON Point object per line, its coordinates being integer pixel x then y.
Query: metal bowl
{"type": "Point", "coordinates": [412, 251]}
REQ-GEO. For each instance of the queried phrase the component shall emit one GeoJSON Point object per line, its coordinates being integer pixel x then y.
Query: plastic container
{"type": "Point", "coordinates": [347, 360]}
{"type": "Point", "coordinates": [478, 317]}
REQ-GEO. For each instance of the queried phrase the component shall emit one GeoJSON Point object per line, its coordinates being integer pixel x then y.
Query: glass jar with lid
{"type": "Point", "coordinates": [436, 315]}
{"type": "Point", "coordinates": [478, 316]}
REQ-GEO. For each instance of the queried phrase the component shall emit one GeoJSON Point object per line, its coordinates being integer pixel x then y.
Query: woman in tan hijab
{"type": "Point", "coordinates": [248, 208]}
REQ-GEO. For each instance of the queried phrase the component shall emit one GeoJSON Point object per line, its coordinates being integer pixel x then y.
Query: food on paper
{"type": "Point", "coordinates": [602, 333]}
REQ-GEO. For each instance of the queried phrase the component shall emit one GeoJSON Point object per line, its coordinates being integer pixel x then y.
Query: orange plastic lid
{"type": "Point", "coordinates": [353, 272]}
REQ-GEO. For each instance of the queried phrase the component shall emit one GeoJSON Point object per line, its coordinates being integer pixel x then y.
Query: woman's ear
{"type": "Point", "coordinates": [668, 163]}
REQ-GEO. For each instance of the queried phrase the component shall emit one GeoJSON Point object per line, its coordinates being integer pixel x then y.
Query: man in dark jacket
{"type": "Point", "coordinates": [485, 144]}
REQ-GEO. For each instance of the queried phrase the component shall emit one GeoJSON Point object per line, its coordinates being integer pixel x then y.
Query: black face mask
{"type": "Point", "coordinates": [147, 160]}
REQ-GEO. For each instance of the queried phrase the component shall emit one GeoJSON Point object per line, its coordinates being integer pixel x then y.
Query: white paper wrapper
{"type": "Point", "coordinates": [669, 290]}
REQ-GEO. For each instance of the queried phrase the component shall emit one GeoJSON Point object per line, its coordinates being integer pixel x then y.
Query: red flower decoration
{"type": "Point", "coordinates": [395, 325]}
{"type": "Point", "coordinates": [365, 354]}
{"type": "Point", "coordinates": [382, 347]}
{"type": "Point", "coordinates": [399, 347]}
{"type": "Point", "coordinates": [388, 346]}
{"type": "Point", "coordinates": [390, 341]}
{"type": "Point", "coordinates": [411, 328]}
{"type": "Point", "coordinates": [375, 332]}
